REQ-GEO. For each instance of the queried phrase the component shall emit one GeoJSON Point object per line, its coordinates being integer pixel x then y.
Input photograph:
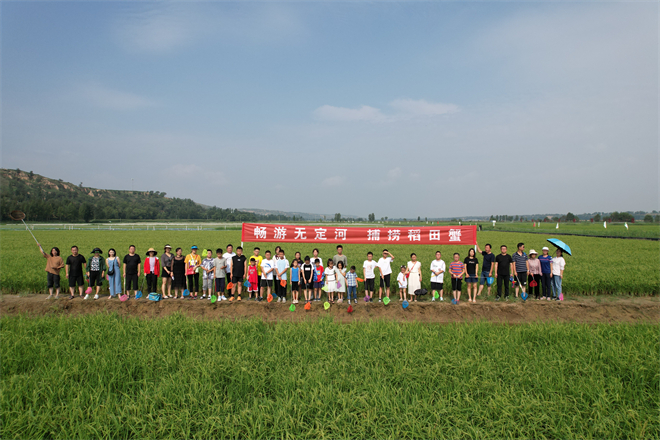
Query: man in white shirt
{"type": "Point", "coordinates": [438, 268]}
{"type": "Point", "coordinates": [267, 269]}
{"type": "Point", "coordinates": [558, 266]}
{"type": "Point", "coordinates": [385, 273]}
{"type": "Point", "coordinates": [228, 258]}
{"type": "Point", "coordinates": [369, 276]}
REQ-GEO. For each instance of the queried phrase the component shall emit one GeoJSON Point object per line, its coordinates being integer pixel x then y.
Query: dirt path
{"type": "Point", "coordinates": [581, 309]}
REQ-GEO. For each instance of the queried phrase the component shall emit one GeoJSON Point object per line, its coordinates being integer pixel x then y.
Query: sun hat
{"type": "Point", "coordinates": [194, 247]}
{"type": "Point", "coordinates": [151, 250]}
{"type": "Point", "coordinates": [545, 248]}
{"type": "Point", "coordinates": [532, 252]}
{"type": "Point", "coordinates": [97, 250]}
{"type": "Point", "coordinates": [167, 246]}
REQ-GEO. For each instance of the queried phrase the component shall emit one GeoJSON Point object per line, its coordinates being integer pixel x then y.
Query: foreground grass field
{"type": "Point", "coordinates": [599, 265]}
{"type": "Point", "coordinates": [111, 377]}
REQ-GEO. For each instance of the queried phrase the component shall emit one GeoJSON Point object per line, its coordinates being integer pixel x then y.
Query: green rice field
{"type": "Point", "coordinates": [599, 265]}
{"type": "Point", "coordinates": [102, 376]}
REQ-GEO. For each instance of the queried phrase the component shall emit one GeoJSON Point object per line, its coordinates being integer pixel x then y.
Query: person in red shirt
{"type": "Point", "coordinates": [253, 279]}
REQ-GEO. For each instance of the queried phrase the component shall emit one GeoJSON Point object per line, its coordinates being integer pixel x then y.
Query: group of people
{"type": "Point", "coordinates": [229, 275]}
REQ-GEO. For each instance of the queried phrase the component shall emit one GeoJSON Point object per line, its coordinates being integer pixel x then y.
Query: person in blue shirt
{"type": "Point", "coordinates": [546, 272]}
{"type": "Point", "coordinates": [294, 272]}
{"type": "Point", "coordinates": [486, 268]}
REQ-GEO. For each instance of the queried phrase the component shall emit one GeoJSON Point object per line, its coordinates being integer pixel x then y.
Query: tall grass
{"type": "Point", "coordinates": [112, 377]}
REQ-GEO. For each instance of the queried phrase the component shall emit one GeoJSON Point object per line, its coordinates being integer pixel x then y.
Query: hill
{"type": "Point", "coordinates": [45, 199]}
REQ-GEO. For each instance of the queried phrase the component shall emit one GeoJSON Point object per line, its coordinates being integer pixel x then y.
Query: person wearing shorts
{"type": "Point", "coordinates": [267, 269]}
{"type": "Point", "coordinates": [438, 268]}
{"type": "Point", "coordinates": [96, 271]}
{"type": "Point", "coordinates": [131, 269]}
{"type": "Point", "coordinates": [368, 267]}
{"type": "Point", "coordinates": [258, 258]}
{"type": "Point", "coordinates": [208, 276]}
{"type": "Point", "coordinates": [75, 267]}
{"type": "Point", "coordinates": [457, 269]}
{"type": "Point", "coordinates": [521, 267]}
{"type": "Point", "coordinates": [238, 271]}
{"type": "Point", "coordinates": [471, 269]}
{"type": "Point", "coordinates": [486, 268]}
{"type": "Point", "coordinates": [54, 264]}
{"type": "Point", "coordinates": [319, 273]}
{"type": "Point", "coordinates": [385, 273]}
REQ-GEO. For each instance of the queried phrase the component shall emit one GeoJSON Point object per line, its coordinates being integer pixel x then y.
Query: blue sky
{"type": "Point", "coordinates": [401, 109]}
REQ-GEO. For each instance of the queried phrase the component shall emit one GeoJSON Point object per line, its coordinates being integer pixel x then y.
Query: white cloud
{"type": "Point", "coordinates": [422, 107]}
{"type": "Point", "coordinates": [104, 97]}
{"type": "Point", "coordinates": [364, 113]}
{"type": "Point", "coordinates": [405, 109]}
{"type": "Point", "coordinates": [333, 181]}
{"type": "Point", "coordinates": [394, 173]}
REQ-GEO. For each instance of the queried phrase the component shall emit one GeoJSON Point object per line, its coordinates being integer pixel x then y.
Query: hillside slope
{"type": "Point", "coordinates": [45, 199]}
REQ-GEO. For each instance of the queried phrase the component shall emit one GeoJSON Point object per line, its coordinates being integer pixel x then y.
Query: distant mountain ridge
{"type": "Point", "coordinates": [45, 199]}
{"type": "Point", "coordinates": [297, 215]}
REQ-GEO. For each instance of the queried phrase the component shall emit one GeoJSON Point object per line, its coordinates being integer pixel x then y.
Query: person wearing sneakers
{"type": "Point", "coordinates": [193, 261]}
{"type": "Point", "coordinates": [75, 267]}
{"type": "Point", "coordinates": [151, 270]}
{"type": "Point", "coordinates": [219, 265]}
{"type": "Point", "coordinates": [267, 271]}
{"type": "Point", "coordinates": [208, 276]}
{"type": "Point", "coordinates": [351, 285]}
{"type": "Point", "coordinates": [558, 266]}
{"type": "Point", "coordinates": [294, 272]}
{"type": "Point", "coordinates": [385, 273]}
{"type": "Point", "coordinates": [228, 255]}
{"type": "Point", "coordinates": [238, 272]}
{"type": "Point", "coordinates": [521, 268]}
{"type": "Point", "coordinates": [281, 266]}
{"type": "Point", "coordinates": [258, 259]}
{"type": "Point", "coordinates": [307, 279]}
{"type": "Point", "coordinates": [131, 270]}
{"type": "Point", "coordinates": [457, 269]}
{"type": "Point", "coordinates": [534, 273]}
{"type": "Point", "coordinates": [113, 273]}
{"type": "Point", "coordinates": [486, 268]}
{"type": "Point", "coordinates": [503, 268]}
{"type": "Point", "coordinates": [438, 268]}
{"type": "Point", "coordinates": [252, 277]}
{"type": "Point", "coordinates": [368, 268]}
{"type": "Point", "coordinates": [96, 271]}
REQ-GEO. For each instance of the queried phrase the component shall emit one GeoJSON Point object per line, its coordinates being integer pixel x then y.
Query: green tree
{"type": "Point", "coordinates": [648, 218]}
{"type": "Point", "coordinates": [597, 217]}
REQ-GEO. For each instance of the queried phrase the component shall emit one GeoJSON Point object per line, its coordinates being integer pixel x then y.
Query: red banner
{"type": "Point", "coordinates": [256, 232]}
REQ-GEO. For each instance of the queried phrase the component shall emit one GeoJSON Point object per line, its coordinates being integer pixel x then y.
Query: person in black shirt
{"type": "Point", "coordinates": [307, 279]}
{"type": "Point", "coordinates": [238, 271]}
{"type": "Point", "coordinates": [503, 268]}
{"type": "Point", "coordinates": [486, 268]}
{"type": "Point", "coordinates": [75, 268]}
{"type": "Point", "coordinates": [471, 269]}
{"type": "Point", "coordinates": [131, 271]}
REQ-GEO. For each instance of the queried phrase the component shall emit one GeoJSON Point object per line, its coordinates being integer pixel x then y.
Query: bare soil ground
{"type": "Point", "coordinates": [576, 309]}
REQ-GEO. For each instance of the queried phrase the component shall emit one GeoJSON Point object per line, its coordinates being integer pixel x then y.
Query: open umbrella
{"type": "Point", "coordinates": [560, 245]}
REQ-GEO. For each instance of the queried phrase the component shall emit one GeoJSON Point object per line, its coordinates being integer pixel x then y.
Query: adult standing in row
{"type": "Point", "coordinates": [503, 268]}
{"type": "Point", "coordinates": [558, 266]}
{"type": "Point", "coordinates": [131, 270]}
{"type": "Point", "coordinates": [438, 268]}
{"type": "Point", "coordinates": [178, 270]}
{"type": "Point", "coordinates": [414, 272]}
{"type": "Point", "coordinates": [114, 273]}
{"type": "Point", "coordinates": [54, 265]}
{"type": "Point", "coordinates": [75, 268]}
{"type": "Point", "coordinates": [96, 271]}
{"type": "Point", "coordinates": [534, 273]}
{"type": "Point", "coordinates": [151, 270]}
{"type": "Point", "coordinates": [340, 256]}
{"type": "Point", "coordinates": [471, 269]}
{"type": "Point", "coordinates": [521, 267]}
{"type": "Point", "coordinates": [193, 262]}
{"type": "Point", "coordinates": [166, 264]}
{"type": "Point", "coordinates": [486, 268]}
{"type": "Point", "coordinates": [385, 273]}
{"type": "Point", "coordinates": [546, 272]}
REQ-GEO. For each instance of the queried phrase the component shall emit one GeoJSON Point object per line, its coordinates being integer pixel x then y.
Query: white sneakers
{"type": "Point", "coordinates": [223, 298]}
{"type": "Point", "coordinates": [96, 296]}
{"type": "Point", "coordinates": [87, 296]}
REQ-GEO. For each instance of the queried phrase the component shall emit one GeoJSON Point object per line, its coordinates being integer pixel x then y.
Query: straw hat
{"type": "Point", "coordinates": [533, 252]}
{"type": "Point", "coordinates": [150, 251]}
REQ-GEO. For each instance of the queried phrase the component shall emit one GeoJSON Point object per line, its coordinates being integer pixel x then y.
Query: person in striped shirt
{"type": "Point", "coordinates": [520, 260]}
{"type": "Point", "coordinates": [457, 269]}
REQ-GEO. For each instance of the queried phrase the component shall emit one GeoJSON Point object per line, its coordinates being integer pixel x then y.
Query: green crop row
{"type": "Point", "coordinates": [599, 265]}
{"type": "Point", "coordinates": [103, 376]}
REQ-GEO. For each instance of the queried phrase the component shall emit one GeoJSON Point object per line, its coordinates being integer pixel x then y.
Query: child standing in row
{"type": "Point", "coordinates": [351, 285]}
{"type": "Point", "coordinates": [220, 264]}
{"type": "Point", "coordinates": [208, 276]}
{"type": "Point", "coordinates": [318, 280]}
{"type": "Point", "coordinates": [253, 278]}
{"type": "Point", "coordinates": [307, 279]}
{"type": "Point", "coordinates": [403, 283]}
{"type": "Point", "coordinates": [294, 272]}
{"type": "Point", "coordinates": [341, 281]}
{"type": "Point", "coordinates": [331, 281]}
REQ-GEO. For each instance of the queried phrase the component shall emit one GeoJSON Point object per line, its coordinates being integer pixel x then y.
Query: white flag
{"type": "Point", "coordinates": [557, 227]}
{"type": "Point", "coordinates": [626, 224]}
{"type": "Point", "coordinates": [605, 225]}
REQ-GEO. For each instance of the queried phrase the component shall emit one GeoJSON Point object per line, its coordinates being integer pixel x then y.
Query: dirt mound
{"type": "Point", "coordinates": [583, 309]}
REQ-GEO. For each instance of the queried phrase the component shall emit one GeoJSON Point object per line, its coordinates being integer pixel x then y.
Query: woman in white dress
{"type": "Point", "coordinates": [414, 273]}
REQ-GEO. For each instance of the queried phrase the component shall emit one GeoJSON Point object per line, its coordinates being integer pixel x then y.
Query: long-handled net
{"type": "Point", "coordinates": [19, 216]}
